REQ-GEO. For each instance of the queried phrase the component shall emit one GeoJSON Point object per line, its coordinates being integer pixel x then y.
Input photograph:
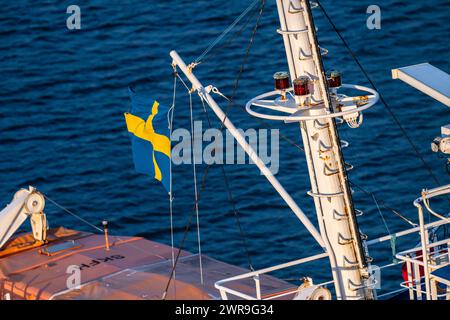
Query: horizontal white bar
{"type": "Point", "coordinates": [274, 268]}
{"type": "Point", "coordinates": [428, 79]}
{"type": "Point", "coordinates": [406, 232]}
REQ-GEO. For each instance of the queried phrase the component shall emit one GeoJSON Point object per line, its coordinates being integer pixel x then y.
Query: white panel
{"type": "Point", "coordinates": [428, 79]}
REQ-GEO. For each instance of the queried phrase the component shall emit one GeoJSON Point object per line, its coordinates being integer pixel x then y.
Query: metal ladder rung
{"type": "Point", "coordinates": [351, 263]}
{"type": "Point", "coordinates": [363, 236]}
{"type": "Point", "coordinates": [288, 32]}
{"type": "Point", "coordinates": [339, 216]}
{"type": "Point", "coordinates": [295, 10]}
{"type": "Point", "coordinates": [328, 171]}
{"type": "Point", "coordinates": [356, 287]}
{"type": "Point", "coordinates": [339, 121]}
{"type": "Point", "coordinates": [343, 241]}
{"type": "Point", "coordinates": [344, 144]}
{"type": "Point", "coordinates": [325, 195]}
{"type": "Point", "coordinates": [323, 51]}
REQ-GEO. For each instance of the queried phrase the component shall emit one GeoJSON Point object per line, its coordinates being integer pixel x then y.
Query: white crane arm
{"type": "Point", "coordinates": [26, 203]}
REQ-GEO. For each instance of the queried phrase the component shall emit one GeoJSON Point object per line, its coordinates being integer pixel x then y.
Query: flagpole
{"type": "Point", "coordinates": [177, 61]}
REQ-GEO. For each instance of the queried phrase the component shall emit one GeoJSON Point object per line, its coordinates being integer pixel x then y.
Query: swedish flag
{"type": "Point", "coordinates": [150, 137]}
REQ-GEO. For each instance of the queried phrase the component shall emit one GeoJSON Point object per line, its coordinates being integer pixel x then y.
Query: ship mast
{"type": "Point", "coordinates": [329, 183]}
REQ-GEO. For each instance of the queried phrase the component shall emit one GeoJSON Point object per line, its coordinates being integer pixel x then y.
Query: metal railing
{"type": "Point", "coordinates": [224, 291]}
{"type": "Point", "coordinates": [430, 256]}
{"type": "Point", "coordinates": [437, 255]}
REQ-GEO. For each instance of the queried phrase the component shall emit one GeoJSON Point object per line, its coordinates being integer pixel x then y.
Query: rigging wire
{"type": "Point", "coordinates": [244, 61]}
{"type": "Point", "coordinates": [194, 172]}
{"type": "Point", "coordinates": [196, 194]}
{"type": "Point", "coordinates": [209, 57]}
{"type": "Point", "coordinates": [225, 32]}
{"type": "Point", "coordinates": [383, 205]}
{"type": "Point", "coordinates": [393, 240]}
{"type": "Point", "coordinates": [170, 123]}
{"type": "Point", "coordinates": [206, 171]}
{"type": "Point", "coordinates": [231, 200]}
{"type": "Point", "coordinates": [230, 100]}
{"type": "Point", "coordinates": [228, 189]}
{"type": "Point", "coordinates": [195, 208]}
{"type": "Point", "coordinates": [193, 211]}
{"type": "Point", "coordinates": [222, 127]}
{"type": "Point", "coordinates": [72, 214]}
{"type": "Point", "coordinates": [231, 40]}
{"type": "Point", "coordinates": [394, 117]}
{"type": "Point", "coordinates": [183, 240]}
{"type": "Point", "coordinates": [381, 215]}
{"type": "Point", "coordinates": [230, 103]}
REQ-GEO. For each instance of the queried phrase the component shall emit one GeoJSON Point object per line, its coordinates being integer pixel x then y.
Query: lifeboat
{"type": "Point", "coordinates": [64, 264]}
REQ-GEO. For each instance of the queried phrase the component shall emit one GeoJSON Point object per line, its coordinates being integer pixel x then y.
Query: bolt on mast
{"type": "Point", "coordinates": [326, 166]}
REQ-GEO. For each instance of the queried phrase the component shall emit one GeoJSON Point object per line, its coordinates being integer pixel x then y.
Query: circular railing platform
{"type": "Point", "coordinates": [296, 114]}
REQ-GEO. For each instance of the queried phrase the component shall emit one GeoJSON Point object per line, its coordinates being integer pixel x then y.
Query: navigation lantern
{"type": "Point", "coordinates": [301, 90]}
{"type": "Point", "coordinates": [281, 80]}
{"type": "Point", "coordinates": [334, 78]}
{"type": "Point", "coordinates": [301, 86]}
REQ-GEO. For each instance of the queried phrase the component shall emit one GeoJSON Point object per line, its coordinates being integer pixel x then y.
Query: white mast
{"type": "Point", "coordinates": [330, 189]}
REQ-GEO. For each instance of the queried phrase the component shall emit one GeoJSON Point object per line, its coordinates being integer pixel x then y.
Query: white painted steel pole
{"type": "Point", "coordinates": [424, 243]}
{"type": "Point", "coordinates": [329, 186]}
{"type": "Point", "coordinates": [247, 148]}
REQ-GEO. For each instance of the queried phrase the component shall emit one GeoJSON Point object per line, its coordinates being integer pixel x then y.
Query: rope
{"type": "Point", "coordinates": [205, 173]}
{"type": "Point", "coordinates": [384, 206]}
{"type": "Point", "coordinates": [73, 214]}
{"type": "Point", "coordinates": [170, 120]}
{"type": "Point", "coordinates": [394, 117]}
{"type": "Point", "coordinates": [225, 32]}
{"type": "Point", "coordinates": [381, 215]}
{"type": "Point", "coordinates": [92, 225]}
{"type": "Point", "coordinates": [231, 200]}
{"type": "Point", "coordinates": [230, 103]}
{"type": "Point", "coordinates": [183, 240]}
{"type": "Point", "coordinates": [244, 61]}
{"type": "Point", "coordinates": [194, 171]}
{"type": "Point", "coordinates": [393, 236]}
{"type": "Point", "coordinates": [290, 141]}
{"type": "Point", "coordinates": [231, 40]}
{"type": "Point", "coordinates": [193, 211]}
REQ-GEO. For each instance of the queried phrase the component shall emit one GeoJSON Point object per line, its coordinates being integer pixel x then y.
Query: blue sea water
{"type": "Point", "coordinates": [63, 93]}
